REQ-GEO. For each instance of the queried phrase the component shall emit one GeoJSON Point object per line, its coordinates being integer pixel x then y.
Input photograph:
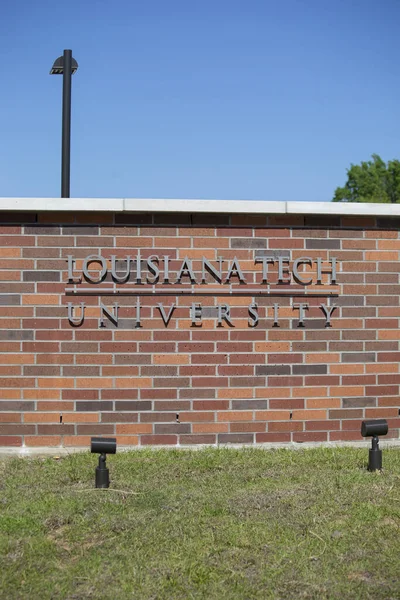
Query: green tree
{"type": "Point", "coordinates": [371, 181]}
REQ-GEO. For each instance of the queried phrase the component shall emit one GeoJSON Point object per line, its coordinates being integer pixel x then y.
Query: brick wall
{"type": "Point", "coordinates": [185, 377]}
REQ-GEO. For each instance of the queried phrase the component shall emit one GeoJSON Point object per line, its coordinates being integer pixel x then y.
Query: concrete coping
{"type": "Point", "coordinates": [58, 452]}
{"type": "Point", "coordinates": [151, 205]}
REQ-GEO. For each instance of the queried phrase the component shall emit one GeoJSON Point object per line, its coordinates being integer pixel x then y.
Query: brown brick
{"type": "Point", "coordinates": [166, 428]}
{"type": "Point", "coordinates": [272, 437]}
{"type": "Point", "coordinates": [285, 381]}
{"type": "Point", "coordinates": [86, 406]}
{"type": "Point", "coordinates": [95, 429]}
{"type": "Point", "coordinates": [210, 405]}
{"type": "Point", "coordinates": [358, 357]}
{"type": "Point", "coordinates": [121, 417]}
{"type": "Point", "coordinates": [172, 405]}
{"type": "Point", "coordinates": [197, 439]}
{"type": "Point", "coordinates": [284, 358]}
{"type": "Point", "coordinates": [251, 427]}
{"type": "Point", "coordinates": [286, 426]}
{"type": "Point", "coordinates": [80, 394]}
{"type": "Point", "coordinates": [16, 405]}
{"type": "Point", "coordinates": [286, 403]}
{"type": "Point", "coordinates": [326, 425]}
{"type": "Point", "coordinates": [310, 436]}
{"type": "Point", "coordinates": [156, 440]}
{"type": "Point", "coordinates": [381, 390]}
{"type": "Point", "coordinates": [210, 382]}
{"type": "Point", "coordinates": [388, 379]}
{"type": "Point", "coordinates": [6, 382]}
{"type": "Point", "coordinates": [17, 429]}
{"type": "Point", "coordinates": [347, 413]}
{"type": "Point", "coordinates": [158, 417]}
{"type": "Point", "coordinates": [157, 394]}
{"type": "Point", "coordinates": [358, 379]}
{"type": "Point", "coordinates": [60, 429]}
{"type": "Point", "coordinates": [235, 438]}
{"type": "Point", "coordinates": [361, 402]}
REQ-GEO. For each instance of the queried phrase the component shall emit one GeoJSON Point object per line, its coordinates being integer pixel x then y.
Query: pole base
{"type": "Point", "coordinates": [102, 478]}
{"type": "Point", "coordinates": [375, 460]}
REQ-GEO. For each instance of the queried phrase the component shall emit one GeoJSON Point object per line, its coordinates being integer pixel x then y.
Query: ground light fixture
{"type": "Point", "coordinates": [102, 446]}
{"type": "Point", "coordinates": [374, 429]}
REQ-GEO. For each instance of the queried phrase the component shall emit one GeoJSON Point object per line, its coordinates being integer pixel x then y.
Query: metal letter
{"type": "Point", "coordinates": [138, 268]}
{"type": "Point", "coordinates": [73, 320]}
{"type": "Point", "coordinates": [112, 316]}
{"type": "Point", "coordinates": [212, 270]}
{"type": "Point", "coordinates": [328, 310]}
{"type": "Point", "coordinates": [253, 318]}
{"type": "Point", "coordinates": [265, 260]}
{"type": "Point", "coordinates": [224, 312]}
{"type": "Point", "coordinates": [302, 306]}
{"type": "Point", "coordinates": [282, 271]}
{"type": "Point", "coordinates": [152, 265]}
{"type": "Point", "coordinates": [276, 317]}
{"type": "Point", "coordinates": [319, 270]}
{"type": "Point", "coordinates": [138, 322]}
{"type": "Point", "coordinates": [296, 275]}
{"type": "Point", "coordinates": [235, 270]}
{"type": "Point", "coordinates": [186, 269]}
{"type": "Point", "coordinates": [94, 258]}
{"type": "Point", "coordinates": [333, 275]}
{"type": "Point", "coordinates": [114, 275]}
{"type": "Point", "coordinates": [166, 318]}
{"type": "Point", "coordinates": [166, 267]}
{"type": "Point", "coordinates": [71, 278]}
{"type": "Point", "coordinates": [195, 314]}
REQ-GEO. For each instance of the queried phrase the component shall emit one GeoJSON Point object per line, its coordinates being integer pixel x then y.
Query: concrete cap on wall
{"type": "Point", "coordinates": [151, 205]}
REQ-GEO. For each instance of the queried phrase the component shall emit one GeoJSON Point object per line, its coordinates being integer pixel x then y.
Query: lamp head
{"type": "Point", "coordinates": [58, 66]}
{"type": "Point", "coordinates": [374, 428]}
{"type": "Point", "coordinates": [103, 445]}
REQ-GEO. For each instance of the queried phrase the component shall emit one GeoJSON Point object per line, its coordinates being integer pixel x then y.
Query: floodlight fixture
{"type": "Point", "coordinates": [102, 446]}
{"type": "Point", "coordinates": [66, 66]}
{"type": "Point", "coordinates": [374, 429]}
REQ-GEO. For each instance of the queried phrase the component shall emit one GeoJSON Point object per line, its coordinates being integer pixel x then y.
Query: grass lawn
{"type": "Point", "coordinates": [212, 524]}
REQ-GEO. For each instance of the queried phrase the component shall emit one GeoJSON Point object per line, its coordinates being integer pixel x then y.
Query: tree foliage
{"type": "Point", "coordinates": [371, 181]}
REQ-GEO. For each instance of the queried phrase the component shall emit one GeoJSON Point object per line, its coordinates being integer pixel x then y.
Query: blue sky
{"type": "Point", "coordinates": [263, 99]}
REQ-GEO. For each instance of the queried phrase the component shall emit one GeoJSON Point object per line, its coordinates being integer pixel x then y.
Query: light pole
{"type": "Point", "coordinates": [66, 66]}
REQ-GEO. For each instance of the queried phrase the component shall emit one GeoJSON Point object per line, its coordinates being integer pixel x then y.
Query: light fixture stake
{"type": "Point", "coordinates": [102, 446]}
{"type": "Point", "coordinates": [373, 429]}
{"type": "Point", "coordinates": [102, 473]}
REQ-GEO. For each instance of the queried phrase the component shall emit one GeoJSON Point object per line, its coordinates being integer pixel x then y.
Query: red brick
{"type": "Point", "coordinates": [10, 440]}
{"type": "Point", "coordinates": [43, 441]}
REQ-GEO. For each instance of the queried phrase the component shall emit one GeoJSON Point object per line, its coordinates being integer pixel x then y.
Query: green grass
{"type": "Point", "coordinates": [208, 524]}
